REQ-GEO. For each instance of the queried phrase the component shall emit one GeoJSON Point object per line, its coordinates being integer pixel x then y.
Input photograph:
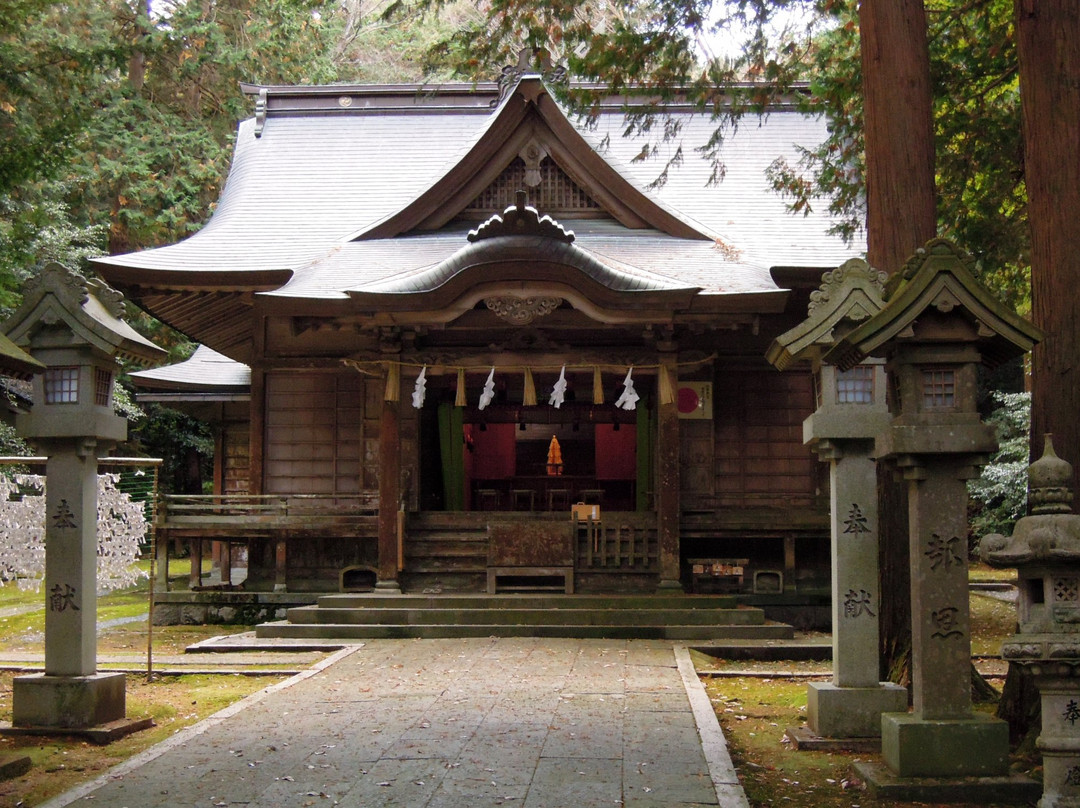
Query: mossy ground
{"type": "Point", "coordinates": [755, 711]}
{"type": "Point", "coordinates": [60, 763]}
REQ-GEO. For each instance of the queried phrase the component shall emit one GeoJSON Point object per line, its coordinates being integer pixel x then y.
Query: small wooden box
{"type": "Point", "coordinates": [582, 512]}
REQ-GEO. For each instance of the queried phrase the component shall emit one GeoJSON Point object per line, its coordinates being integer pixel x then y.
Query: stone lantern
{"type": "Point", "coordinates": [938, 325]}
{"type": "Point", "coordinates": [1045, 549]}
{"type": "Point", "coordinates": [851, 412]}
{"type": "Point", "coordinates": [72, 326]}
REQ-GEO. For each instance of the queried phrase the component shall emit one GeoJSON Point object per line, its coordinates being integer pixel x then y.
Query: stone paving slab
{"type": "Point", "coordinates": [537, 723]}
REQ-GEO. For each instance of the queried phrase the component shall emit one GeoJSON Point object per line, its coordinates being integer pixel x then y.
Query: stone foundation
{"type": "Point", "coordinates": [68, 702]}
{"type": "Point", "coordinates": [976, 746]}
{"type": "Point", "coordinates": [851, 712]}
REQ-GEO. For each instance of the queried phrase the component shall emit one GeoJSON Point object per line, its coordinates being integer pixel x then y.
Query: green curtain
{"type": "Point", "coordinates": [451, 449]}
{"type": "Point", "coordinates": [646, 448]}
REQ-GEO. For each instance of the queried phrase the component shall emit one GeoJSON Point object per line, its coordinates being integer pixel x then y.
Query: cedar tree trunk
{"type": "Point", "coordinates": [900, 218]}
{"type": "Point", "coordinates": [1048, 48]}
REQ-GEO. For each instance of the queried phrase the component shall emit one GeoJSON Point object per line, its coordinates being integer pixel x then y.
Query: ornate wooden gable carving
{"type": "Point", "coordinates": [521, 219]}
{"type": "Point", "coordinates": [550, 189]}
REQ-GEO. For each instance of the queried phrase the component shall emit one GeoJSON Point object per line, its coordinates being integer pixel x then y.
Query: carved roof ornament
{"type": "Point", "coordinates": [510, 75]}
{"type": "Point", "coordinates": [837, 284]}
{"type": "Point", "coordinates": [89, 312]}
{"type": "Point", "coordinates": [1050, 482]}
{"type": "Point", "coordinates": [935, 251]}
{"type": "Point", "coordinates": [260, 112]}
{"type": "Point", "coordinates": [532, 155]}
{"type": "Point", "coordinates": [68, 287]}
{"type": "Point", "coordinates": [848, 295]}
{"type": "Point", "coordinates": [1052, 532]}
{"type": "Point", "coordinates": [521, 220]}
{"type": "Point", "coordinates": [938, 276]}
{"type": "Point", "coordinates": [521, 310]}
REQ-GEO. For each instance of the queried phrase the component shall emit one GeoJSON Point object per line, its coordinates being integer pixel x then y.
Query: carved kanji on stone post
{"type": "Point", "coordinates": [937, 326]}
{"type": "Point", "coordinates": [851, 412]}
{"type": "Point", "coordinates": [74, 328]}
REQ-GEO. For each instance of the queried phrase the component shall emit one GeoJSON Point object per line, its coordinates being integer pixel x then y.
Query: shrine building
{"type": "Point", "coordinates": [435, 319]}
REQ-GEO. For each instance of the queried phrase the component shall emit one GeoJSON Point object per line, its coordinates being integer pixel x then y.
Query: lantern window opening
{"type": "Point", "coordinates": [855, 386]}
{"type": "Point", "coordinates": [939, 389]}
{"type": "Point", "coordinates": [1066, 590]}
{"type": "Point", "coordinates": [1036, 590]}
{"type": "Point", "coordinates": [62, 385]}
{"type": "Point", "coordinates": [102, 387]}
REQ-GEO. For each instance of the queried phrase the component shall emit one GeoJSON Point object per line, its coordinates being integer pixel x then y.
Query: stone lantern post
{"type": "Point", "coordinates": [73, 327]}
{"type": "Point", "coordinates": [1045, 549]}
{"type": "Point", "coordinates": [938, 325]}
{"type": "Point", "coordinates": [851, 412]}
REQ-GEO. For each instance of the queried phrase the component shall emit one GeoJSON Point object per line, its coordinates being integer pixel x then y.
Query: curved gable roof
{"type": "Point", "coordinates": [530, 114]}
{"type": "Point", "coordinates": [336, 190]}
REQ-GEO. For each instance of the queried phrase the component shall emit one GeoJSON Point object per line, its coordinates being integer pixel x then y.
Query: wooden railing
{"type": "Point", "coordinates": [246, 512]}
{"type": "Point", "coordinates": [620, 541]}
{"type": "Point", "coordinates": [247, 518]}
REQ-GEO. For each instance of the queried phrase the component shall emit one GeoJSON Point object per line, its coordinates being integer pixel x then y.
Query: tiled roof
{"type": "Point", "coordinates": [298, 193]}
{"type": "Point", "coordinates": [204, 369]}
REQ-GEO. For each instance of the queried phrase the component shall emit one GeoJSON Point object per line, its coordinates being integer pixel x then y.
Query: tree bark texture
{"type": "Point", "coordinates": [900, 195]}
{"type": "Point", "coordinates": [1048, 50]}
{"type": "Point", "coordinates": [901, 217]}
{"type": "Point", "coordinates": [1048, 46]}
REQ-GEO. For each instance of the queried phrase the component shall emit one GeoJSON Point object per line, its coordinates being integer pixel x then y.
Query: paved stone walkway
{"type": "Point", "coordinates": [468, 722]}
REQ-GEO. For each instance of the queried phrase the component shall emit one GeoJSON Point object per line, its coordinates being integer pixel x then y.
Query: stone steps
{"type": "Point", "coordinates": [528, 617]}
{"type": "Point", "coordinates": [352, 631]}
{"type": "Point", "coordinates": [673, 617]}
{"type": "Point", "coordinates": [365, 600]}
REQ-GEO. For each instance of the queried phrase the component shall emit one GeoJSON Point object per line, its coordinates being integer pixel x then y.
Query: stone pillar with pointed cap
{"type": "Point", "coordinates": [73, 327]}
{"type": "Point", "coordinates": [851, 411]}
{"type": "Point", "coordinates": [937, 326]}
{"type": "Point", "coordinates": [1045, 549]}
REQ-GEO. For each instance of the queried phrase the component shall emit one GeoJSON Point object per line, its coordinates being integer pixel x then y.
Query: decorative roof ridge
{"type": "Point", "coordinates": [938, 276]}
{"type": "Point", "coordinates": [516, 247]}
{"type": "Point", "coordinates": [436, 96]}
{"type": "Point", "coordinates": [521, 220]}
{"type": "Point", "coordinates": [848, 295]}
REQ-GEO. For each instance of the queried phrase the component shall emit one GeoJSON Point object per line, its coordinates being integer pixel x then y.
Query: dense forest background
{"type": "Point", "coordinates": [117, 116]}
{"type": "Point", "coordinates": [947, 117]}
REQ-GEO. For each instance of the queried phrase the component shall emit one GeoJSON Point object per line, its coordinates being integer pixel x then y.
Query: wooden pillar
{"type": "Point", "coordinates": [280, 565]}
{"type": "Point", "coordinates": [162, 572]}
{"type": "Point", "coordinates": [667, 488]}
{"type": "Point", "coordinates": [225, 562]}
{"type": "Point", "coordinates": [389, 495]}
{"type": "Point", "coordinates": [257, 436]}
{"type": "Point", "coordinates": [195, 577]}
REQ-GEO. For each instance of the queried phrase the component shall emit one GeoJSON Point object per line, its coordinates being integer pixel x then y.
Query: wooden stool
{"type": "Point", "coordinates": [487, 499]}
{"type": "Point", "coordinates": [558, 497]}
{"type": "Point", "coordinates": [592, 496]}
{"type": "Point", "coordinates": [520, 496]}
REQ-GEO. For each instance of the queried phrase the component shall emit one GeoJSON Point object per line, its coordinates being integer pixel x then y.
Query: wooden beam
{"type": "Point", "coordinates": [667, 488]}
{"type": "Point", "coordinates": [389, 495]}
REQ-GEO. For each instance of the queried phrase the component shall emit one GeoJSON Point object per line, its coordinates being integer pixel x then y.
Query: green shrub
{"type": "Point", "coordinates": [999, 494]}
